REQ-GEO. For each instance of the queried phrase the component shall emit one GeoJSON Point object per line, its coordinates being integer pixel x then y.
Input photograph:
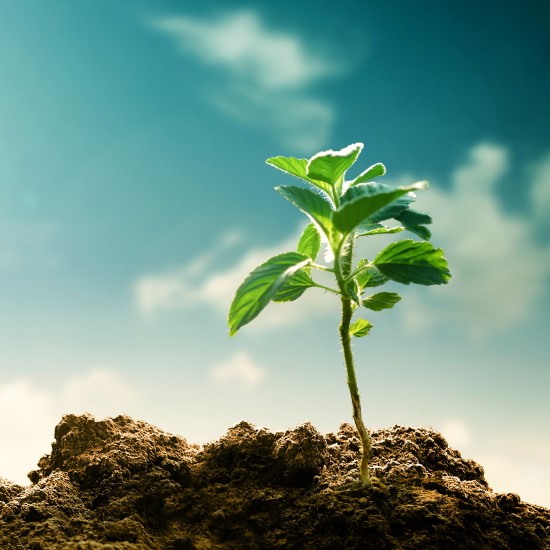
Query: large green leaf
{"type": "Point", "coordinates": [360, 328]}
{"type": "Point", "coordinates": [366, 201]}
{"type": "Point", "coordinates": [392, 210]}
{"type": "Point", "coordinates": [381, 300]}
{"type": "Point", "coordinates": [310, 242]}
{"type": "Point", "coordinates": [294, 286]}
{"type": "Point", "coordinates": [329, 166]}
{"type": "Point", "coordinates": [370, 173]}
{"type": "Point", "coordinates": [312, 205]}
{"type": "Point", "coordinates": [297, 167]}
{"type": "Point", "coordinates": [413, 262]}
{"type": "Point", "coordinates": [261, 286]}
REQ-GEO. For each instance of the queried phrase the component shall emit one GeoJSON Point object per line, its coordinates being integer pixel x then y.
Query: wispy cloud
{"type": "Point", "coordinates": [240, 369]}
{"type": "Point", "coordinates": [188, 287]}
{"type": "Point", "coordinates": [499, 270]}
{"type": "Point", "coordinates": [267, 74]}
{"type": "Point", "coordinates": [28, 414]}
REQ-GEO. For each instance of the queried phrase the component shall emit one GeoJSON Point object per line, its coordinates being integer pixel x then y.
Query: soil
{"type": "Point", "coordinates": [123, 484]}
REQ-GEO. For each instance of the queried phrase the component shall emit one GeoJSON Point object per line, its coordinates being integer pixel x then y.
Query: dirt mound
{"type": "Point", "coordinates": [121, 484]}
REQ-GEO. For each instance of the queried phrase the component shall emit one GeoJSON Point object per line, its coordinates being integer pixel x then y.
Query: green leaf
{"type": "Point", "coordinates": [370, 173]}
{"type": "Point", "coordinates": [310, 242]}
{"type": "Point", "coordinates": [413, 262]}
{"type": "Point", "coordinates": [366, 203]}
{"type": "Point", "coordinates": [312, 205]}
{"type": "Point", "coordinates": [352, 290]}
{"type": "Point", "coordinates": [392, 210]}
{"type": "Point", "coordinates": [421, 230]}
{"type": "Point", "coordinates": [329, 166]}
{"type": "Point", "coordinates": [360, 328]}
{"type": "Point", "coordinates": [260, 286]}
{"type": "Point", "coordinates": [377, 229]}
{"type": "Point", "coordinates": [294, 286]}
{"type": "Point", "coordinates": [371, 277]}
{"type": "Point", "coordinates": [414, 221]}
{"type": "Point", "coordinates": [414, 217]}
{"type": "Point", "coordinates": [297, 167]}
{"type": "Point", "coordinates": [381, 300]}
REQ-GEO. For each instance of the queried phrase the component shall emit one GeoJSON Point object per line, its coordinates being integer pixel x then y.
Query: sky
{"type": "Point", "coordinates": [134, 199]}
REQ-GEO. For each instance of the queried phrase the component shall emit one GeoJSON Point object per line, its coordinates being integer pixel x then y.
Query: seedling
{"type": "Point", "coordinates": [342, 211]}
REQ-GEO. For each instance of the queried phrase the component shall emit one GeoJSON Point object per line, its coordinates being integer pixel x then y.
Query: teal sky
{"type": "Point", "coordinates": [134, 198]}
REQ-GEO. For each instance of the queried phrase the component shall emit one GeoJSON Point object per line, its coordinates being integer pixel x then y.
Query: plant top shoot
{"type": "Point", "coordinates": [342, 211]}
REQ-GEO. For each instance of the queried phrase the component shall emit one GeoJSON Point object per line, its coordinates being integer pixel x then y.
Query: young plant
{"type": "Point", "coordinates": [342, 211]}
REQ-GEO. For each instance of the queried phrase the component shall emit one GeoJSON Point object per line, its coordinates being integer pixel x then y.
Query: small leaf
{"type": "Point", "coordinates": [377, 229]}
{"type": "Point", "coordinates": [360, 328]}
{"type": "Point", "coordinates": [352, 212]}
{"type": "Point", "coordinates": [413, 262]}
{"type": "Point", "coordinates": [421, 230]}
{"type": "Point", "coordinates": [329, 166]}
{"type": "Point", "coordinates": [312, 205]}
{"type": "Point", "coordinates": [290, 165]}
{"type": "Point", "coordinates": [370, 173]}
{"type": "Point", "coordinates": [415, 221]}
{"type": "Point", "coordinates": [294, 286]}
{"type": "Point", "coordinates": [352, 289]}
{"type": "Point", "coordinates": [260, 286]}
{"type": "Point", "coordinates": [414, 217]}
{"type": "Point", "coordinates": [371, 277]}
{"type": "Point", "coordinates": [310, 242]}
{"type": "Point", "coordinates": [381, 300]}
{"type": "Point", "coordinates": [297, 167]}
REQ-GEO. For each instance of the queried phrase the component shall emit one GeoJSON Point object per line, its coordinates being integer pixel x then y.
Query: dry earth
{"type": "Point", "coordinates": [121, 484]}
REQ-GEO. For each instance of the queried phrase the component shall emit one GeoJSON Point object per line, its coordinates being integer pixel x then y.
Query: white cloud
{"type": "Point", "coordinates": [174, 289]}
{"type": "Point", "coordinates": [267, 73]}
{"type": "Point", "coordinates": [520, 468]}
{"type": "Point", "coordinates": [303, 122]}
{"type": "Point", "coordinates": [187, 287]}
{"type": "Point", "coordinates": [499, 270]}
{"type": "Point", "coordinates": [517, 460]}
{"type": "Point", "coordinates": [456, 432]}
{"type": "Point", "coordinates": [240, 369]}
{"type": "Point", "coordinates": [240, 43]}
{"type": "Point", "coordinates": [525, 475]}
{"type": "Point", "coordinates": [100, 392]}
{"type": "Point", "coordinates": [28, 415]}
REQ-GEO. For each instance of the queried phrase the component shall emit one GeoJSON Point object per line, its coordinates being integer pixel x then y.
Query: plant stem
{"type": "Point", "coordinates": [342, 270]}
{"type": "Point", "coordinates": [366, 447]}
